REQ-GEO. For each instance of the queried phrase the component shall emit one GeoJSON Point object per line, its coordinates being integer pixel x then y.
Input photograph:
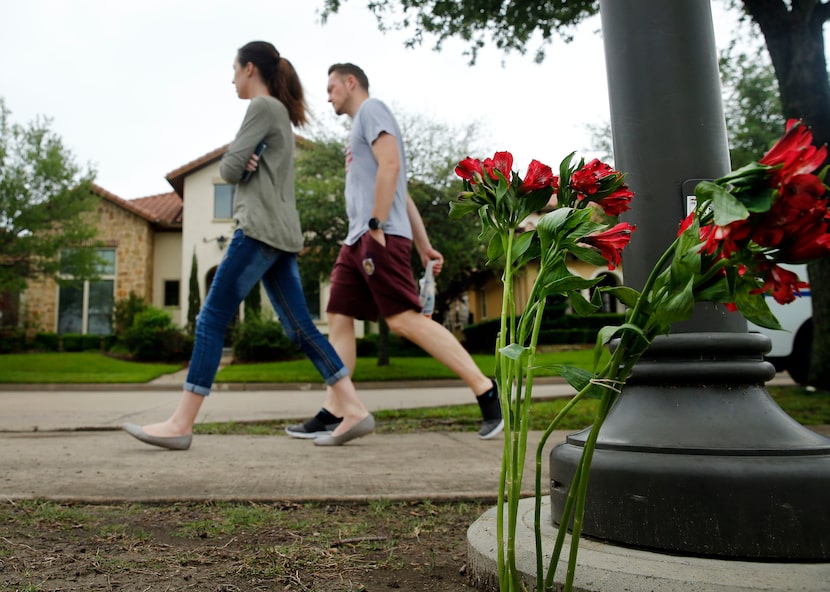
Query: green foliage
{"type": "Point", "coordinates": [752, 104]}
{"type": "Point", "coordinates": [12, 340]}
{"type": "Point", "coordinates": [43, 195]}
{"type": "Point", "coordinates": [46, 342]}
{"type": "Point", "coordinates": [509, 26]}
{"type": "Point", "coordinates": [154, 337]}
{"type": "Point", "coordinates": [253, 301]}
{"type": "Point", "coordinates": [258, 339]}
{"type": "Point", "coordinates": [194, 300]}
{"type": "Point", "coordinates": [321, 203]}
{"type": "Point", "coordinates": [125, 312]}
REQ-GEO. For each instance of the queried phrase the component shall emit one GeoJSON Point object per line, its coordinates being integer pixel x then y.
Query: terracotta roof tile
{"type": "Point", "coordinates": [163, 210]}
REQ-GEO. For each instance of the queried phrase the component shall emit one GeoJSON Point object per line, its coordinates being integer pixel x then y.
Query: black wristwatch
{"type": "Point", "coordinates": [375, 224]}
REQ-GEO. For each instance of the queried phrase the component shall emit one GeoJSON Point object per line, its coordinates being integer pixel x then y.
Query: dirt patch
{"type": "Point", "coordinates": [230, 547]}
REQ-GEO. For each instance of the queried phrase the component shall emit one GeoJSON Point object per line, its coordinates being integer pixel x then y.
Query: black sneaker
{"type": "Point", "coordinates": [491, 428]}
{"type": "Point", "coordinates": [490, 405]}
{"type": "Point", "coordinates": [321, 424]}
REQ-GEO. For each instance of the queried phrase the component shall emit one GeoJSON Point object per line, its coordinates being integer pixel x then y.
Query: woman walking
{"type": "Point", "coordinates": [264, 245]}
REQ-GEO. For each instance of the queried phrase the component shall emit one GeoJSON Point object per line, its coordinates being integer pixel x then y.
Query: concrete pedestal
{"type": "Point", "coordinates": [609, 568]}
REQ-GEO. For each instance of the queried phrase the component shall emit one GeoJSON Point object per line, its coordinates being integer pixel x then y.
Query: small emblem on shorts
{"type": "Point", "coordinates": [369, 266]}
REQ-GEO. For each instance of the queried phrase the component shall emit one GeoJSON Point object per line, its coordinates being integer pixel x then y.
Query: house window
{"type": "Point", "coordinates": [86, 306]}
{"type": "Point", "coordinates": [223, 200]}
{"type": "Point", "coordinates": [171, 293]}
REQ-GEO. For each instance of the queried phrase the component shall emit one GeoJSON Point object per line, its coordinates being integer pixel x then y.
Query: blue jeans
{"type": "Point", "coordinates": [246, 262]}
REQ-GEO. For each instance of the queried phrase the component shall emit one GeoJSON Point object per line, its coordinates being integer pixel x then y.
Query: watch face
{"type": "Point", "coordinates": [374, 224]}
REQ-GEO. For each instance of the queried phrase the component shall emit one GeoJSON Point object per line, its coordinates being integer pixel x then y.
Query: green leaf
{"type": "Point", "coordinates": [514, 351]}
{"type": "Point", "coordinates": [495, 250]}
{"type": "Point", "coordinates": [755, 309]}
{"type": "Point", "coordinates": [628, 296]}
{"type": "Point", "coordinates": [588, 255]}
{"type": "Point", "coordinates": [522, 243]}
{"type": "Point", "coordinates": [459, 209]}
{"type": "Point", "coordinates": [678, 307]}
{"type": "Point", "coordinates": [581, 306]}
{"type": "Point", "coordinates": [579, 379]}
{"type": "Point", "coordinates": [727, 208]}
{"type": "Point", "coordinates": [716, 292]}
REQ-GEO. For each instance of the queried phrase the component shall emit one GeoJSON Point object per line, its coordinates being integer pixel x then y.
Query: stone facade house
{"type": "Point", "coordinates": [139, 240]}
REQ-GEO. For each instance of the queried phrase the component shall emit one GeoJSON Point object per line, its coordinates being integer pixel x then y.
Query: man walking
{"type": "Point", "coordinates": [373, 275]}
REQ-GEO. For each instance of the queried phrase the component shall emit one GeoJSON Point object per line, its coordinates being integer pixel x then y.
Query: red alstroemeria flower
{"type": "Point", "coordinates": [794, 152]}
{"type": "Point", "coordinates": [687, 222]}
{"type": "Point", "coordinates": [723, 241]}
{"type": "Point", "coordinates": [470, 170]}
{"type": "Point", "coordinates": [587, 180]}
{"type": "Point", "coordinates": [501, 162]}
{"type": "Point", "coordinates": [538, 176]}
{"type": "Point", "coordinates": [798, 212]}
{"type": "Point", "coordinates": [611, 242]}
{"type": "Point", "coordinates": [617, 202]}
{"type": "Point", "coordinates": [783, 284]}
{"type": "Point", "coordinates": [814, 244]}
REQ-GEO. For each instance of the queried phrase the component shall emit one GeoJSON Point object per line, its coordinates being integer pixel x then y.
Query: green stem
{"type": "Point", "coordinates": [537, 524]}
{"type": "Point", "coordinates": [590, 445]}
{"type": "Point", "coordinates": [507, 573]}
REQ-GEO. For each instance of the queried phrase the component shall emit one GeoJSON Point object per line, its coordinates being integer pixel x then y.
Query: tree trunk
{"type": "Point", "coordinates": [383, 343]}
{"type": "Point", "coordinates": [795, 42]}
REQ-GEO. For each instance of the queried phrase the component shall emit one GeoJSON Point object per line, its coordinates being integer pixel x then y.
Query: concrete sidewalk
{"type": "Point", "coordinates": [67, 445]}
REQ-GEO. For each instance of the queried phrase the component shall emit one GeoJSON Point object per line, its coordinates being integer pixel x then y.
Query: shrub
{"type": "Point", "coordinates": [154, 338]}
{"type": "Point", "coordinates": [12, 340]}
{"type": "Point", "coordinates": [71, 342]}
{"type": "Point", "coordinates": [257, 339]}
{"type": "Point", "coordinates": [125, 312]}
{"type": "Point", "coordinates": [46, 342]}
{"type": "Point", "coordinates": [481, 337]}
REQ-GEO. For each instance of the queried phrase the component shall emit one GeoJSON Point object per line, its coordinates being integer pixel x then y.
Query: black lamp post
{"type": "Point", "coordinates": [695, 457]}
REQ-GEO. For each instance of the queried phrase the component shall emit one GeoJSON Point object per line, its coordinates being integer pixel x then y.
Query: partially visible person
{"type": "Point", "coordinates": [264, 245]}
{"type": "Point", "coordinates": [373, 274]}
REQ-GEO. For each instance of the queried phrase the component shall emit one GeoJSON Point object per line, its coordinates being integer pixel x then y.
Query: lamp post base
{"type": "Point", "coordinates": [696, 458]}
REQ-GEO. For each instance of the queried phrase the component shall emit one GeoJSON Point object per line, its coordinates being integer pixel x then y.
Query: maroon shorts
{"type": "Point", "coordinates": [370, 280]}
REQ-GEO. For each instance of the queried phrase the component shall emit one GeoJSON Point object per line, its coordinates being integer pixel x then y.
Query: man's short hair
{"type": "Point", "coordinates": [350, 69]}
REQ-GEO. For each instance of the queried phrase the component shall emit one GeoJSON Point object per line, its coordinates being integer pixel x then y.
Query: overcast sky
{"type": "Point", "coordinates": [139, 88]}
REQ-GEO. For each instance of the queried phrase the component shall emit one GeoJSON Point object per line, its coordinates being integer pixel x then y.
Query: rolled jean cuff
{"type": "Point", "coordinates": [334, 378]}
{"type": "Point", "coordinates": [196, 389]}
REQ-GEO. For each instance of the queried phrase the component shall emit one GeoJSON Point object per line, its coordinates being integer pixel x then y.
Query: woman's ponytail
{"type": "Point", "coordinates": [280, 77]}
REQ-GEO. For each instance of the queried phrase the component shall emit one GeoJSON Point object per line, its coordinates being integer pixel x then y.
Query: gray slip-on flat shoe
{"type": "Point", "coordinates": [170, 443]}
{"type": "Point", "coordinates": [363, 427]}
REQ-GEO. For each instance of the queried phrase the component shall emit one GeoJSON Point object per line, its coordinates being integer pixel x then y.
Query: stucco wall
{"type": "Point", "coordinates": [200, 230]}
{"type": "Point", "coordinates": [167, 266]}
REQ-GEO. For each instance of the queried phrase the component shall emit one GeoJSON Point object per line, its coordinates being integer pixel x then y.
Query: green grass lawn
{"type": "Point", "coordinates": [367, 370]}
{"type": "Point", "coordinates": [73, 368]}
{"type": "Point", "coordinates": [92, 367]}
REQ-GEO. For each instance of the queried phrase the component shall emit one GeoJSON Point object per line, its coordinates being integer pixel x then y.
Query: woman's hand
{"type": "Point", "coordinates": [252, 164]}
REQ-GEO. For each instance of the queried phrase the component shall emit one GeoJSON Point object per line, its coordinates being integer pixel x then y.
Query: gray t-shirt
{"type": "Point", "coordinates": [264, 206]}
{"type": "Point", "coordinates": [372, 119]}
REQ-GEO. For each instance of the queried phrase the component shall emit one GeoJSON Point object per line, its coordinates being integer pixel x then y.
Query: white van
{"type": "Point", "coordinates": [791, 348]}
